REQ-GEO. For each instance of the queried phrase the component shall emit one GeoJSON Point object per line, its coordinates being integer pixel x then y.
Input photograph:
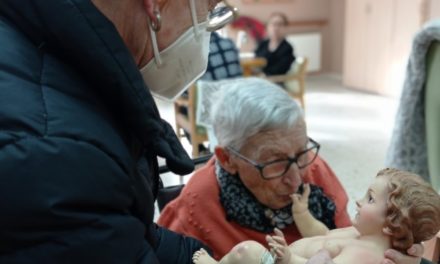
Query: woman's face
{"type": "Point", "coordinates": [269, 146]}
{"type": "Point", "coordinates": [276, 28]}
{"type": "Point", "coordinates": [371, 209]}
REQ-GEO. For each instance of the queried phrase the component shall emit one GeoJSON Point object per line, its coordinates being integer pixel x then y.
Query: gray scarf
{"type": "Point", "coordinates": [242, 207]}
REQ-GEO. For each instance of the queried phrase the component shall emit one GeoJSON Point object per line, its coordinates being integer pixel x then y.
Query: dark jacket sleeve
{"type": "Point", "coordinates": [66, 201]}
{"type": "Point", "coordinates": [182, 247]}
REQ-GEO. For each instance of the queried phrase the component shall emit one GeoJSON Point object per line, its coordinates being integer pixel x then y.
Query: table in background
{"type": "Point", "coordinates": [250, 64]}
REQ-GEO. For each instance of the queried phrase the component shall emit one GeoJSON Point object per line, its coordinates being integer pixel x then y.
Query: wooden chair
{"type": "Point", "coordinates": [294, 79]}
{"type": "Point", "coordinates": [188, 122]}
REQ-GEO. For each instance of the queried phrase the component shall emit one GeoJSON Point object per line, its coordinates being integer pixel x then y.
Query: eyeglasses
{"type": "Point", "coordinates": [221, 15]}
{"type": "Point", "coordinates": [278, 168]}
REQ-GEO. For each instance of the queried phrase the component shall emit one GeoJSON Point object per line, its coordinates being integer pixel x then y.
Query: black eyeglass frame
{"type": "Point", "coordinates": [290, 160]}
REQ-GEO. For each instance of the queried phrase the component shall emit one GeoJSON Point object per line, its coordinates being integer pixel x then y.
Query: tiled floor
{"type": "Point", "coordinates": [353, 128]}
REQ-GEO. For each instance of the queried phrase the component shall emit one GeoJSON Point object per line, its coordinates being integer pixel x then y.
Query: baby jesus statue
{"type": "Point", "coordinates": [398, 210]}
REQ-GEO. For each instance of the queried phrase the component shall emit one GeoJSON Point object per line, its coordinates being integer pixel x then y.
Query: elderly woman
{"type": "Point", "coordinates": [263, 156]}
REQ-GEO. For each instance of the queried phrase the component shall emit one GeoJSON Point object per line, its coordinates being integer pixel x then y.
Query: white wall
{"type": "Point", "coordinates": [308, 45]}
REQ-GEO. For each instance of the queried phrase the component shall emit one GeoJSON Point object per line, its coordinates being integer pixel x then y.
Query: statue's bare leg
{"type": "Point", "coordinates": [202, 257]}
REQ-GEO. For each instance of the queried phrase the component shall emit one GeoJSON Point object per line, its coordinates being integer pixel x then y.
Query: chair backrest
{"type": "Point", "coordinates": [294, 80]}
{"type": "Point", "coordinates": [299, 66]}
{"type": "Point", "coordinates": [189, 101]}
{"type": "Point", "coordinates": [298, 71]}
{"type": "Point", "coordinates": [432, 112]}
{"type": "Point", "coordinates": [192, 109]}
{"type": "Point", "coordinates": [185, 114]}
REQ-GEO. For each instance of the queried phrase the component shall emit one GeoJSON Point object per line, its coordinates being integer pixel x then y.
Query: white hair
{"type": "Point", "coordinates": [245, 107]}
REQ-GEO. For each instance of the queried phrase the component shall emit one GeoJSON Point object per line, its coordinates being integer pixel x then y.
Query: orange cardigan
{"type": "Point", "coordinates": [197, 212]}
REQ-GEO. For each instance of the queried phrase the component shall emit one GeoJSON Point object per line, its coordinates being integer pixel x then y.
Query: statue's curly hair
{"type": "Point", "coordinates": [413, 209]}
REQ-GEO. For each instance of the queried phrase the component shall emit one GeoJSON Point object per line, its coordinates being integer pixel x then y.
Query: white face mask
{"type": "Point", "coordinates": [175, 68]}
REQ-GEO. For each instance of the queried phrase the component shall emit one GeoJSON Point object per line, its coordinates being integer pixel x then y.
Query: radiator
{"type": "Point", "coordinates": [307, 45]}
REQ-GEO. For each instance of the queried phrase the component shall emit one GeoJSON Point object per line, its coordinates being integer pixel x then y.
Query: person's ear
{"type": "Point", "coordinates": [152, 8]}
{"type": "Point", "coordinates": [387, 231]}
{"type": "Point", "coordinates": [224, 158]}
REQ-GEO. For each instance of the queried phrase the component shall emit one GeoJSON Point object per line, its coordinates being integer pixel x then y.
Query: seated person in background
{"type": "Point", "coordinates": [263, 156]}
{"type": "Point", "coordinates": [275, 49]}
{"type": "Point", "coordinates": [223, 60]}
{"type": "Point", "coordinates": [223, 63]}
{"type": "Point", "coordinates": [399, 209]}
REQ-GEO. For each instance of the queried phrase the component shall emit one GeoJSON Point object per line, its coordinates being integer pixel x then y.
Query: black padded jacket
{"type": "Point", "coordinates": [79, 139]}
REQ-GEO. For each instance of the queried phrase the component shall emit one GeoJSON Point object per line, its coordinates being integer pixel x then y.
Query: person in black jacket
{"type": "Point", "coordinates": [79, 130]}
{"type": "Point", "coordinates": [275, 49]}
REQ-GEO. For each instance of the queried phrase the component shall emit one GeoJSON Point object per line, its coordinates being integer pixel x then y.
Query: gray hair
{"type": "Point", "coordinates": [247, 106]}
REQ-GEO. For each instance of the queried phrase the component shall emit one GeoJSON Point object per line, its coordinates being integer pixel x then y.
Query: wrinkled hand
{"type": "Point", "coordinates": [279, 247]}
{"type": "Point", "coordinates": [300, 202]}
{"type": "Point", "coordinates": [414, 256]}
{"type": "Point", "coordinates": [322, 257]}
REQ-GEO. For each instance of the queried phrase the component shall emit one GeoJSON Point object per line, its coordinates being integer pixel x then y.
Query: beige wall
{"type": "Point", "coordinates": [434, 9]}
{"type": "Point", "coordinates": [333, 32]}
{"type": "Point", "coordinates": [295, 9]}
{"type": "Point", "coordinates": [404, 28]}
{"type": "Point", "coordinates": [336, 28]}
{"type": "Point", "coordinates": [378, 39]}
